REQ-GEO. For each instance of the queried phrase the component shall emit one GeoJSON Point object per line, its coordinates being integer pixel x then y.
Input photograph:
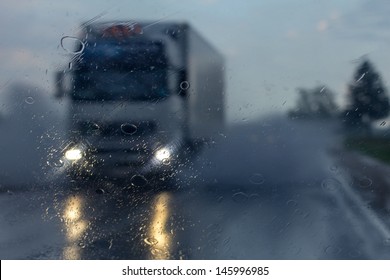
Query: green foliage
{"type": "Point", "coordinates": [368, 99]}
{"type": "Point", "coordinates": [317, 102]}
{"type": "Point", "coordinates": [378, 148]}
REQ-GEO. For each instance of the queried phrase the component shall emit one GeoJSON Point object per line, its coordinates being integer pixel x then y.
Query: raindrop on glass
{"type": "Point", "coordinates": [386, 242]}
{"type": "Point", "coordinates": [68, 44]}
{"type": "Point", "coordinates": [333, 168]}
{"type": "Point", "coordinates": [29, 100]}
{"type": "Point", "coordinates": [151, 241]}
{"type": "Point", "coordinates": [136, 28]}
{"type": "Point", "coordinates": [240, 197]}
{"type": "Point", "coordinates": [226, 241]}
{"type": "Point", "coordinates": [292, 203]}
{"type": "Point", "coordinates": [331, 250]}
{"type": "Point", "coordinates": [256, 179]}
{"type": "Point", "coordinates": [365, 182]}
{"type": "Point", "coordinates": [255, 197]}
{"type": "Point", "coordinates": [330, 184]}
{"type": "Point", "coordinates": [55, 162]}
{"type": "Point", "coordinates": [58, 163]}
{"type": "Point", "coordinates": [361, 77]}
{"type": "Point", "coordinates": [94, 128]}
{"type": "Point", "coordinates": [128, 128]}
{"type": "Point", "coordinates": [157, 252]}
{"type": "Point", "coordinates": [100, 191]}
{"type": "Point", "coordinates": [298, 212]}
{"type": "Point", "coordinates": [355, 253]}
{"type": "Point", "coordinates": [184, 85]}
{"type": "Point", "coordinates": [138, 181]}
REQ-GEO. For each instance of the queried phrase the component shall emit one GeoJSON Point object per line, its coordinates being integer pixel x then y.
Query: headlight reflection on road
{"type": "Point", "coordinates": [75, 226]}
{"type": "Point", "coordinates": [159, 239]}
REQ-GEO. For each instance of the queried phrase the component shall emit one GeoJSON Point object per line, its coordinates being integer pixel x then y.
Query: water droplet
{"type": "Point", "coordinates": [159, 253]}
{"type": "Point", "coordinates": [386, 242]}
{"type": "Point", "coordinates": [55, 162]}
{"type": "Point", "coordinates": [255, 197]}
{"type": "Point", "coordinates": [100, 191]}
{"type": "Point", "coordinates": [29, 100]}
{"type": "Point", "coordinates": [333, 168]}
{"type": "Point", "coordinates": [355, 254]}
{"type": "Point", "coordinates": [58, 163]}
{"type": "Point", "coordinates": [240, 197]}
{"type": "Point", "coordinates": [68, 43]}
{"type": "Point", "coordinates": [138, 181]}
{"type": "Point", "coordinates": [257, 179]}
{"type": "Point", "coordinates": [331, 250]}
{"type": "Point", "coordinates": [10, 192]}
{"type": "Point", "coordinates": [361, 77]}
{"type": "Point", "coordinates": [226, 241]}
{"type": "Point", "coordinates": [365, 182]}
{"type": "Point", "coordinates": [330, 184]}
{"type": "Point", "coordinates": [136, 28]}
{"type": "Point", "coordinates": [184, 85]}
{"type": "Point", "coordinates": [93, 128]}
{"type": "Point", "coordinates": [292, 203]}
{"type": "Point", "coordinates": [383, 123]}
{"type": "Point", "coordinates": [298, 212]}
{"type": "Point", "coordinates": [128, 128]}
{"type": "Point", "coordinates": [166, 161]}
{"type": "Point", "coordinates": [151, 241]}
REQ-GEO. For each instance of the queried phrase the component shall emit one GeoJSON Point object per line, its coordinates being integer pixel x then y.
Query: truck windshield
{"type": "Point", "coordinates": [131, 85]}
{"type": "Point", "coordinates": [110, 69]}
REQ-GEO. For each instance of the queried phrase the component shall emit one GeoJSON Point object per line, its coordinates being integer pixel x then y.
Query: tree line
{"type": "Point", "coordinates": [367, 100]}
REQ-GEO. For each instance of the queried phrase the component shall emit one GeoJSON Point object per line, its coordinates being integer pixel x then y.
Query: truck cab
{"type": "Point", "coordinates": [133, 98]}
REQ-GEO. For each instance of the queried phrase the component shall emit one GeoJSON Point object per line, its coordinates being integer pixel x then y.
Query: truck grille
{"type": "Point", "coordinates": [120, 157]}
{"type": "Point", "coordinates": [117, 129]}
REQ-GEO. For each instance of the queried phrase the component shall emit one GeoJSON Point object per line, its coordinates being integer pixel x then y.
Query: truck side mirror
{"type": "Point", "coordinates": [59, 84]}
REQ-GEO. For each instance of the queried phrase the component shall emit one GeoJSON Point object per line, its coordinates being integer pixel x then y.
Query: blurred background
{"type": "Point", "coordinates": [306, 146]}
{"type": "Point", "coordinates": [271, 48]}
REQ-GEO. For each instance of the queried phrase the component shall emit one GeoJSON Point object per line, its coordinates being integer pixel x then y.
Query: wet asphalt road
{"type": "Point", "coordinates": [270, 189]}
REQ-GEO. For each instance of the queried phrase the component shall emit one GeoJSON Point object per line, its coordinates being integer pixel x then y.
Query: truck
{"type": "Point", "coordinates": [138, 95]}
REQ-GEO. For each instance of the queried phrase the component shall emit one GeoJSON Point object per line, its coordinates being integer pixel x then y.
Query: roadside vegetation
{"type": "Point", "coordinates": [375, 147]}
{"type": "Point", "coordinates": [367, 102]}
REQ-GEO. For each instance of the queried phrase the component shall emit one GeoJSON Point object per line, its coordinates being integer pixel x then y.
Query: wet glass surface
{"type": "Point", "coordinates": [194, 130]}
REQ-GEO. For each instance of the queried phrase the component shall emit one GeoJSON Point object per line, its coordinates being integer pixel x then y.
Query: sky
{"type": "Point", "coordinates": [271, 48]}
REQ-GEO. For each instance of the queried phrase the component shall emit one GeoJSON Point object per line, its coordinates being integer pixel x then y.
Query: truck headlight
{"type": "Point", "coordinates": [163, 154]}
{"type": "Point", "coordinates": [73, 154]}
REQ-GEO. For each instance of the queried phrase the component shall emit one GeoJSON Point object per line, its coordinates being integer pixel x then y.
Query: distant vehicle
{"type": "Point", "coordinates": [139, 93]}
